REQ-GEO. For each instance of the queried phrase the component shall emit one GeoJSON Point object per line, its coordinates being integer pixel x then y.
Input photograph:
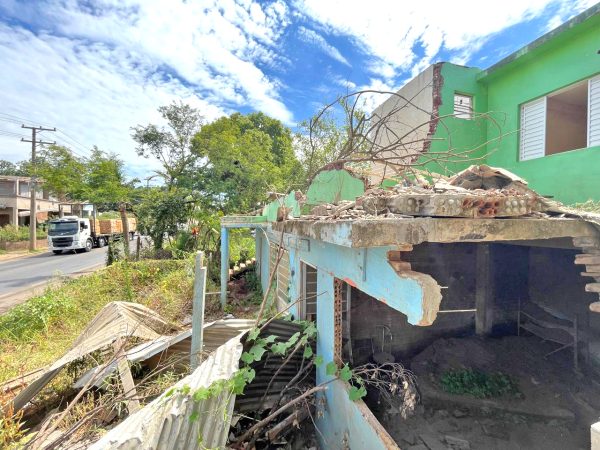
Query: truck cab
{"type": "Point", "coordinates": [70, 233]}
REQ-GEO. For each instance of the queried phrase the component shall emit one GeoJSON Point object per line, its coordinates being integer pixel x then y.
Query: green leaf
{"type": "Point", "coordinates": [357, 393]}
{"type": "Point", "coordinates": [169, 392]}
{"type": "Point", "coordinates": [239, 384]}
{"type": "Point", "coordinates": [310, 330]}
{"type": "Point", "coordinates": [253, 334]}
{"type": "Point", "coordinates": [185, 390]}
{"type": "Point", "coordinates": [331, 368]}
{"type": "Point", "coordinates": [201, 394]}
{"type": "Point", "coordinates": [249, 375]}
{"type": "Point", "coordinates": [308, 351]}
{"type": "Point", "coordinates": [279, 348]}
{"type": "Point", "coordinates": [194, 416]}
{"type": "Point", "coordinates": [257, 352]}
{"type": "Point", "coordinates": [248, 358]}
{"type": "Point", "coordinates": [318, 361]}
{"type": "Point", "coordinates": [294, 338]}
{"type": "Point", "coordinates": [270, 339]}
{"type": "Point", "coordinates": [345, 373]}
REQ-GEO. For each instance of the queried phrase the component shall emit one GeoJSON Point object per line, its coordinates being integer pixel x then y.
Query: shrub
{"type": "Point", "coordinates": [11, 233]}
{"type": "Point", "coordinates": [478, 384]}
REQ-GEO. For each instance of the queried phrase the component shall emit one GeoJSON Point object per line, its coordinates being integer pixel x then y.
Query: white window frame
{"type": "Point", "coordinates": [523, 130]}
{"type": "Point", "coordinates": [591, 83]}
{"type": "Point", "coordinates": [465, 115]}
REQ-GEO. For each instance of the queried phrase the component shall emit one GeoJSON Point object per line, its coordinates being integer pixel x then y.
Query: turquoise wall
{"type": "Point", "coordinates": [343, 424]}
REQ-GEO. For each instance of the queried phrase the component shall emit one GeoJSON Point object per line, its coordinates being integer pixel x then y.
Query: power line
{"type": "Point", "coordinates": [67, 139]}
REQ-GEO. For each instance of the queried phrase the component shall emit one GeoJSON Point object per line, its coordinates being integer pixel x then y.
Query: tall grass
{"type": "Point", "coordinates": [43, 328]}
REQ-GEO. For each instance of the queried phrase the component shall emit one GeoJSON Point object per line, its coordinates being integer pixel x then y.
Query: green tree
{"type": "Point", "coordinates": [14, 169]}
{"type": "Point", "coordinates": [161, 211]}
{"type": "Point", "coordinates": [170, 145]}
{"type": "Point", "coordinates": [105, 183]}
{"type": "Point", "coordinates": [243, 157]}
{"type": "Point", "coordinates": [63, 172]}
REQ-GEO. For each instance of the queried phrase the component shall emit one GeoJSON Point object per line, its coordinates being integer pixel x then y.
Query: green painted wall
{"type": "Point", "coordinates": [567, 58]}
{"type": "Point", "coordinates": [460, 135]}
{"type": "Point", "coordinates": [289, 201]}
{"type": "Point", "coordinates": [330, 186]}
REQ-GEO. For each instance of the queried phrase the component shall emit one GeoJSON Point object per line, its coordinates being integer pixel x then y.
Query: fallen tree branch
{"type": "Point", "coordinates": [297, 417]}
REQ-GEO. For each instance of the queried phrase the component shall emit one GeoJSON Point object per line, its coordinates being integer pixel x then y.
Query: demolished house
{"type": "Point", "coordinates": [474, 277]}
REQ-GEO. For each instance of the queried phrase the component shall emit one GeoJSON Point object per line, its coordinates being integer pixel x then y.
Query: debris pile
{"type": "Point", "coordinates": [477, 192]}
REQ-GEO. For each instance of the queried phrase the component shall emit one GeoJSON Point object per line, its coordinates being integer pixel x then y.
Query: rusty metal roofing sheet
{"type": "Point", "coordinates": [164, 424]}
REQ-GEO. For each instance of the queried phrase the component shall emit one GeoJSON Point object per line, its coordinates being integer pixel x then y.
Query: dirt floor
{"type": "Point", "coordinates": [553, 409]}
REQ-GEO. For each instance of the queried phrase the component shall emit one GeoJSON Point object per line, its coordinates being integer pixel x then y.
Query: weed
{"type": "Point", "coordinates": [478, 384]}
{"type": "Point", "coordinates": [11, 429]}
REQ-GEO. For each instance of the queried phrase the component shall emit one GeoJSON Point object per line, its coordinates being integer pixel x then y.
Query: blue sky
{"type": "Point", "coordinates": [94, 69]}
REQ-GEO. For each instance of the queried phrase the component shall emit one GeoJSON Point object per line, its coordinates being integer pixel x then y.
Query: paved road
{"type": "Point", "coordinates": [20, 276]}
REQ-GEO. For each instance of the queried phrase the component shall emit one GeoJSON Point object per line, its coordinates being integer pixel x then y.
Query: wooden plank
{"type": "Point", "coordinates": [587, 259]}
{"type": "Point", "coordinates": [595, 307]}
{"type": "Point", "coordinates": [592, 287]}
{"type": "Point", "coordinates": [129, 390]}
{"type": "Point", "coordinates": [484, 301]}
{"type": "Point", "coordinates": [198, 311]}
{"type": "Point", "coordinates": [590, 274]}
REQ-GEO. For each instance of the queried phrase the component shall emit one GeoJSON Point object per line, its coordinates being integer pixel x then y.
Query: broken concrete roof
{"type": "Point", "coordinates": [115, 320]}
{"type": "Point", "coordinates": [462, 208]}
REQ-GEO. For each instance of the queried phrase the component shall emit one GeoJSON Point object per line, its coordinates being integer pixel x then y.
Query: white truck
{"type": "Point", "coordinates": [78, 234]}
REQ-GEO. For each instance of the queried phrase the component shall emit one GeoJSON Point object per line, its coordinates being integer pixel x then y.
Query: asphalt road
{"type": "Point", "coordinates": [21, 275]}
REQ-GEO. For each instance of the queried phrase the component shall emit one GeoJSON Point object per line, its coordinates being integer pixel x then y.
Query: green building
{"type": "Point", "coordinates": [535, 113]}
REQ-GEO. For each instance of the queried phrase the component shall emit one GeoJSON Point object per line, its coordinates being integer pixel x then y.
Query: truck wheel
{"type": "Point", "coordinates": [101, 242]}
{"type": "Point", "coordinates": [57, 252]}
{"type": "Point", "coordinates": [89, 245]}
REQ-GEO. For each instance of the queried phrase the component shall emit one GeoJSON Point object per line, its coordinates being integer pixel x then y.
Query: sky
{"type": "Point", "coordinates": [94, 69]}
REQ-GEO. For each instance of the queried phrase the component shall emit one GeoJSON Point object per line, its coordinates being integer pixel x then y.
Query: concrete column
{"type": "Point", "coordinates": [14, 216]}
{"type": "Point", "coordinates": [484, 291]}
{"type": "Point", "coordinates": [224, 264]}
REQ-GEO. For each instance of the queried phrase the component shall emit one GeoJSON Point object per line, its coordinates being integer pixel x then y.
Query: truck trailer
{"type": "Point", "coordinates": [83, 234]}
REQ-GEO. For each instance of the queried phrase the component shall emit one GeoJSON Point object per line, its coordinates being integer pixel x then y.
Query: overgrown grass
{"type": "Point", "coordinates": [478, 384]}
{"type": "Point", "coordinates": [43, 328]}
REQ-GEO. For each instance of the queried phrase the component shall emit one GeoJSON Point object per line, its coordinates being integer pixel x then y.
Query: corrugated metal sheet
{"type": "Point", "coordinates": [167, 348]}
{"type": "Point", "coordinates": [254, 397]}
{"type": "Point", "coordinates": [117, 319]}
{"type": "Point", "coordinates": [165, 423]}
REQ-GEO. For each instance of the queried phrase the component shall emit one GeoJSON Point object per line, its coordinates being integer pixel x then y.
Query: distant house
{"type": "Point", "coordinates": [15, 201]}
{"type": "Point", "coordinates": [544, 100]}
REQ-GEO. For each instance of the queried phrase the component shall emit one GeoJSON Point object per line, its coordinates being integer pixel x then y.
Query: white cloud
{"type": "Point", "coordinates": [99, 68]}
{"type": "Point", "coordinates": [390, 31]}
{"type": "Point", "coordinates": [315, 38]}
{"type": "Point", "coordinates": [92, 93]}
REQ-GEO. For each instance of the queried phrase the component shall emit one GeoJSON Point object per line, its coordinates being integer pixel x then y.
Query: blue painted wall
{"type": "Point", "coordinates": [344, 422]}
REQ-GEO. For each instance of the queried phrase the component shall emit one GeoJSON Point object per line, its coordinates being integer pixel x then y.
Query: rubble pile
{"type": "Point", "coordinates": [477, 192]}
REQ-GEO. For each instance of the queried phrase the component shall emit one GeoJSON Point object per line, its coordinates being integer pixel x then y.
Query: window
{"type": "Point", "coordinates": [463, 106]}
{"type": "Point", "coordinates": [567, 119]}
{"type": "Point", "coordinates": [282, 277]}
{"type": "Point", "coordinates": [308, 306]}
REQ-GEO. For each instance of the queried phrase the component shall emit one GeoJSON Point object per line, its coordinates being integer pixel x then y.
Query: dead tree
{"type": "Point", "coordinates": [383, 141]}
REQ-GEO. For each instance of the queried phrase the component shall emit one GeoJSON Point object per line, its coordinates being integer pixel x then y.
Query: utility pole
{"type": "Point", "coordinates": [33, 183]}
